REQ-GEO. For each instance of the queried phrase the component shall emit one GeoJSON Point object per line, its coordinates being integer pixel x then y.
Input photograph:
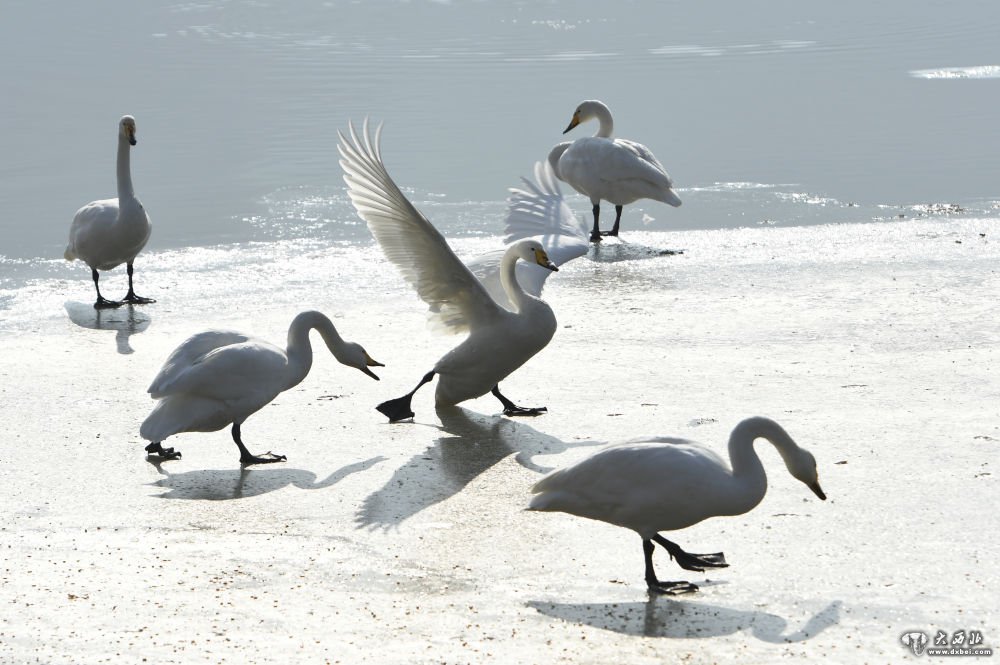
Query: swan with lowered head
{"type": "Point", "coordinates": [110, 232]}
{"type": "Point", "coordinates": [650, 485]}
{"type": "Point", "coordinates": [500, 340]}
{"type": "Point", "coordinates": [616, 170]}
{"type": "Point", "coordinates": [219, 378]}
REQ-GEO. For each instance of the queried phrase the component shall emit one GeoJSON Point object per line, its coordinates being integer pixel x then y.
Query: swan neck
{"type": "Point", "coordinates": [124, 170]}
{"type": "Point", "coordinates": [607, 124]}
{"type": "Point", "coordinates": [747, 466]}
{"type": "Point", "coordinates": [300, 352]}
{"type": "Point", "coordinates": [508, 280]}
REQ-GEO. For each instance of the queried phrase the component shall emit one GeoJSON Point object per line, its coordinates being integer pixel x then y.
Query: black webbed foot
{"type": "Point", "coordinates": [396, 409]}
{"type": "Point", "coordinates": [133, 299]}
{"type": "Point", "coordinates": [104, 303]}
{"type": "Point", "coordinates": [264, 458]}
{"type": "Point", "coordinates": [672, 588]}
{"type": "Point", "coordinates": [515, 410]}
{"type": "Point", "coordinates": [161, 452]}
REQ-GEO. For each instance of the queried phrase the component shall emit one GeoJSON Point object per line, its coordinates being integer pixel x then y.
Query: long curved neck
{"type": "Point", "coordinates": [603, 115]}
{"type": "Point", "coordinates": [508, 280]}
{"type": "Point", "coordinates": [299, 351]}
{"type": "Point", "coordinates": [124, 170]}
{"type": "Point", "coordinates": [747, 468]}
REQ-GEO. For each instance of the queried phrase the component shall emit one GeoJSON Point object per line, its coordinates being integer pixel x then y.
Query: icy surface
{"type": "Point", "coordinates": [873, 344]}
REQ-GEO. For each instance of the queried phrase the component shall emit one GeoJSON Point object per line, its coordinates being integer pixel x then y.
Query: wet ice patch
{"type": "Point", "coordinates": [979, 72]}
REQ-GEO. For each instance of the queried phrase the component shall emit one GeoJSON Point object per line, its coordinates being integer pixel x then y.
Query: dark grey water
{"type": "Point", "coordinates": [779, 113]}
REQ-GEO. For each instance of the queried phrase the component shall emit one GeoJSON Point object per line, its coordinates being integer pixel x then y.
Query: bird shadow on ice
{"type": "Point", "coordinates": [472, 444]}
{"type": "Point", "coordinates": [126, 320]}
{"type": "Point", "coordinates": [620, 250]}
{"type": "Point", "coordinates": [665, 617]}
{"type": "Point", "coordinates": [228, 484]}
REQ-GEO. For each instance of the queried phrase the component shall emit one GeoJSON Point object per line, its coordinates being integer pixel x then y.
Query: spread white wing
{"type": "Point", "coordinates": [409, 240]}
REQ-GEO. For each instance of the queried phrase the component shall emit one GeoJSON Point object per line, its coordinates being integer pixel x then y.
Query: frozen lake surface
{"type": "Point", "coordinates": [838, 166]}
{"type": "Point", "coordinates": [409, 543]}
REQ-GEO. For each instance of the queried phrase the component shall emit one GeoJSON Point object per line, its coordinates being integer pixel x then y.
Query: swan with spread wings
{"type": "Point", "coordinates": [500, 338]}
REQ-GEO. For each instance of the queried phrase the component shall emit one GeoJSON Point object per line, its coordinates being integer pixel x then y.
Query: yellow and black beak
{"type": "Point", "coordinates": [817, 490]}
{"type": "Point", "coordinates": [542, 259]}
{"type": "Point", "coordinates": [371, 362]}
{"type": "Point", "coordinates": [573, 123]}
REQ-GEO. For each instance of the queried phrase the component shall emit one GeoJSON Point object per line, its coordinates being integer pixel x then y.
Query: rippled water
{"type": "Point", "coordinates": [766, 113]}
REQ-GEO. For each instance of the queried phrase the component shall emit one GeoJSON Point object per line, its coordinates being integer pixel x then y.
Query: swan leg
{"type": "Point", "coordinates": [246, 458]}
{"type": "Point", "coordinates": [511, 409]}
{"type": "Point", "coordinates": [618, 219]}
{"type": "Point", "coordinates": [595, 235]}
{"type": "Point", "coordinates": [689, 561]}
{"type": "Point", "coordinates": [399, 408]}
{"type": "Point", "coordinates": [102, 302]}
{"type": "Point", "coordinates": [130, 297]}
{"type": "Point", "coordinates": [656, 586]}
{"type": "Point", "coordinates": [156, 448]}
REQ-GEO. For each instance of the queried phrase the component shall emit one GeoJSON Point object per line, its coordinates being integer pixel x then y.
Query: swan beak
{"type": "Point", "coordinates": [130, 133]}
{"type": "Point", "coordinates": [542, 259]}
{"type": "Point", "coordinates": [371, 362]}
{"type": "Point", "coordinates": [817, 490]}
{"type": "Point", "coordinates": [573, 123]}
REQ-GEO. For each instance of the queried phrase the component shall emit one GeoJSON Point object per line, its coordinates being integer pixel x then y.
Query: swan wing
{"type": "Point", "coordinates": [89, 229]}
{"type": "Point", "coordinates": [251, 372]}
{"type": "Point", "coordinates": [634, 160]}
{"type": "Point", "coordinates": [409, 240]}
{"type": "Point", "coordinates": [190, 352]}
{"type": "Point", "coordinates": [539, 212]}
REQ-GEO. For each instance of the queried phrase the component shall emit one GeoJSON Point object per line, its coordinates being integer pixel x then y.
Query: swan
{"type": "Point", "coordinates": [500, 340]}
{"type": "Point", "coordinates": [106, 233]}
{"type": "Point", "coordinates": [616, 170]}
{"type": "Point", "coordinates": [221, 377]}
{"type": "Point", "coordinates": [663, 484]}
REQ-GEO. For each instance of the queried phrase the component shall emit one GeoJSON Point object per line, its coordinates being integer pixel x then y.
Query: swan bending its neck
{"type": "Point", "coordinates": [591, 109]}
{"type": "Point", "coordinates": [300, 353]}
{"type": "Point", "coordinates": [508, 275]}
{"type": "Point", "coordinates": [748, 470]}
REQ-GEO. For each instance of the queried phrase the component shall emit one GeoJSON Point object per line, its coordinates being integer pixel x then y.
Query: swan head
{"type": "Point", "coordinates": [531, 251]}
{"type": "Point", "coordinates": [802, 465]}
{"type": "Point", "coordinates": [587, 110]}
{"type": "Point", "coordinates": [126, 128]}
{"type": "Point", "coordinates": [354, 355]}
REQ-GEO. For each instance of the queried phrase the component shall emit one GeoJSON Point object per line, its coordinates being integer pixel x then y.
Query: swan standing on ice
{"type": "Point", "coordinates": [221, 377]}
{"type": "Point", "coordinates": [663, 484]}
{"type": "Point", "coordinates": [500, 340]}
{"type": "Point", "coordinates": [107, 233]}
{"type": "Point", "coordinates": [616, 170]}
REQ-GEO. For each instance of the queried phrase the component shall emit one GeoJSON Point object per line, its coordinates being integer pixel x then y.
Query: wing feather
{"type": "Point", "coordinates": [408, 239]}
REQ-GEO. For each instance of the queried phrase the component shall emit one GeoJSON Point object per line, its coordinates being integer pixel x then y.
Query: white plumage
{"type": "Point", "coordinates": [650, 485]}
{"type": "Point", "coordinates": [500, 339]}
{"type": "Point", "coordinates": [219, 378]}
{"type": "Point", "coordinates": [604, 168]}
{"type": "Point", "coordinates": [107, 233]}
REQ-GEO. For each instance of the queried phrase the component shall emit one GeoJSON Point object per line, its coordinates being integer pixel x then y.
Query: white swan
{"type": "Point", "coordinates": [662, 484]}
{"type": "Point", "coordinates": [221, 377]}
{"type": "Point", "coordinates": [500, 340]}
{"type": "Point", "coordinates": [107, 233]}
{"type": "Point", "coordinates": [616, 170]}
{"type": "Point", "coordinates": [537, 212]}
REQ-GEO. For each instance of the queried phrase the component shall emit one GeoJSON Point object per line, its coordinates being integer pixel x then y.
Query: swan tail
{"type": "Point", "coordinates": [183, 413]}
{"type": "Point", "coordinates": [669, 197]}
{"type": "Point", "coordinates": [69, 255]}
{"type": "Point", "coordinates": [546, 501]}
